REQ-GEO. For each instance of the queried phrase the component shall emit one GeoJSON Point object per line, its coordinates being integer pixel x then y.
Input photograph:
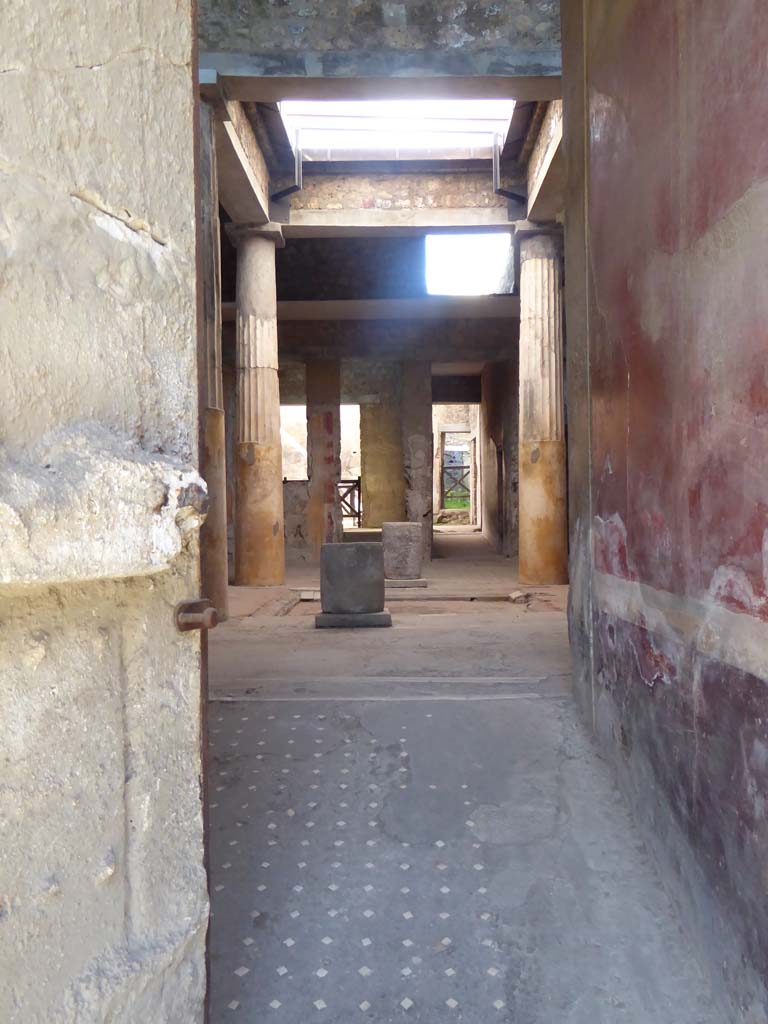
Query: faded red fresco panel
{"type": "Point", "coordinates": [678, 212]}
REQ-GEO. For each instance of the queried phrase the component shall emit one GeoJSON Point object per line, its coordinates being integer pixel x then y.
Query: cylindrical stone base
{"type": "Point", "coordinates": [543, 513]}
{"type": "Point", "coordinates": [402, 543]}
{"type": "Point", "coordinates": [259, 535]}
{"type": "Point", "coordinates": [213, 536]}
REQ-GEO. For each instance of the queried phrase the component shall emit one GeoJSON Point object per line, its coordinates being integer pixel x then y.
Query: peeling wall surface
{"type": "Point", "coordinates": [103, 905]}
{"type": "Point", "coordinates": [679, 455]}
{"type": "Point", "coordinates": [380, 37]}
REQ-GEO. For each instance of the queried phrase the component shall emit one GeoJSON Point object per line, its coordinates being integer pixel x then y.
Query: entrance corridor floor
{"type": "Point", "coordinates": [426, 847]}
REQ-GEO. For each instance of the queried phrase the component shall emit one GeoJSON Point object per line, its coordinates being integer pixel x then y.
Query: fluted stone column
{"type": "Point", "coordinates": [543, 510]}
{"type": "Point", "coordinates": [324, 521]}
{"type": "Point", "coordinates": [214, 572]}
{"type": "Point", "coordinates": [259, 523]}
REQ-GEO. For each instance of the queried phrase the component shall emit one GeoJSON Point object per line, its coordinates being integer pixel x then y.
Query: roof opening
{"type": "Point", "coordinates": [396, 129]}
{"type": "Point", "coordinates": [469, 264]}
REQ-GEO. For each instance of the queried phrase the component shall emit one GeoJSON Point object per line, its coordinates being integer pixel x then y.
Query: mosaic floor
{"type": "Point", "coordinates": [436, 860]}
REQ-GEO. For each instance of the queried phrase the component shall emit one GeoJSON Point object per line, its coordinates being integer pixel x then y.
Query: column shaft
{"type": "Point", "coordinates": [259, 522]}
{"type": "Point", "coordinates": [324, 522]}
{"type": "Point", "coordinates": [543, 510]}
{"type": "Point", "coordinates": [213, 536]}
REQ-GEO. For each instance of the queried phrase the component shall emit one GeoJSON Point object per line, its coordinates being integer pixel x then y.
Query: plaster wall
{"type": "Point", "coordinates": [499, 429]}
{"type": "Point", "coordinates": [667, 335]}
{"type": "Point", "coordinates": [103, 910]}
{"type": "Point", "coordinates": [381, 450]}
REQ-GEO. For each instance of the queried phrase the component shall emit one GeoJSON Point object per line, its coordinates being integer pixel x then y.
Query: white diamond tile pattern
{"type": "Point", "coordinates": [295, 907]}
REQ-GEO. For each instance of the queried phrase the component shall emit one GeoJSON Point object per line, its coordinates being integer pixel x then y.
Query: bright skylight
{"type": "Point", "coordinates": [396, 129]}
{"type": "Point", "coordinates": [470, 264]}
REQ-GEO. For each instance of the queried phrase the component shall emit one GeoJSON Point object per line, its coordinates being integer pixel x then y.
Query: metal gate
{"type": "Point", "coordinates": [350, 495]}
{"type": "Point", "coordinates": [455, 478]}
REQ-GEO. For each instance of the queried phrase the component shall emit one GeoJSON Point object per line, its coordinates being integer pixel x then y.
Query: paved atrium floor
{"type": "Point", "coordinates": [425, 833]}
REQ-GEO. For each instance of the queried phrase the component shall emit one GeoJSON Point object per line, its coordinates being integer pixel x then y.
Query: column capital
{"type": "Point", "coordinates": [242, 230]}
{"type": "Point", "coordinates": [541, 247]}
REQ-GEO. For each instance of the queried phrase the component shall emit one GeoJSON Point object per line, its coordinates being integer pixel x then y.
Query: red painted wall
{"type": "Point", "coordinates": [679, 196]}
{"type": "Point", "coordinates": [677, 232]}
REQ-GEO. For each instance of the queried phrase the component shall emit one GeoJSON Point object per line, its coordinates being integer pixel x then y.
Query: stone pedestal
{"type": "Point", "coordinates": [352, 586]}
{"type": "Point", "coordinates": [403, 550]}
{"type": "Point", "coordinates": [259, 524]}
{"type": "Point", "coordinates": [543, 510]}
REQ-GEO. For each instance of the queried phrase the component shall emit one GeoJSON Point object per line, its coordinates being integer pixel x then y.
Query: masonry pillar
{"type": "Point", "coordinates": [214, 576]}
{"type": "Point", "coordinates": [437, 466]}
{"type": "Point", "coordinates": [381, 452]}
{"type": "Point", "coordinates": [416, 419]}
{"type": "Point", "coordinates": [259, 523]}
{"type": "Point", "coordinates": [324, 522]}
{"type": "Point", "coordinates": [543, 511]}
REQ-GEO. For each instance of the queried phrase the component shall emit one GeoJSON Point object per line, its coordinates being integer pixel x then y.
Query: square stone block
{"type": "Point", "coordinates": [402, 543]}
{"type": "Point", "coordinates": [351, 578]}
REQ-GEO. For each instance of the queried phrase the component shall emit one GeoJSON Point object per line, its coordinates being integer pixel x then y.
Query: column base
{"type": "Point", "coordinates": [543, 513]}
{"type": "Point", "coordinates": [352, 620]}
{"type": "Point", "coordinates": [259, 529]}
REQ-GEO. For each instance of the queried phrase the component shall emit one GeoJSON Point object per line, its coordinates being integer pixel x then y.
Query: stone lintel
{"type": "Point", "coordinates": [546, 168]}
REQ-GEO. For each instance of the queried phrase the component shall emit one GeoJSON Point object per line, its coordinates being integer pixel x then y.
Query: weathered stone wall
{"type": "Point", "coordinates": [378, 37]}
{"type": "Point", "coordinates": [103, 904]}
{"type": "Point", "coordinates": [470, 190]}
{"type": "Point", "coordinates": [499, 429]}
{"type": "Point", "coordinates": [351, 268]}
{"type": "Point", "coordinates": [670, 610]}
